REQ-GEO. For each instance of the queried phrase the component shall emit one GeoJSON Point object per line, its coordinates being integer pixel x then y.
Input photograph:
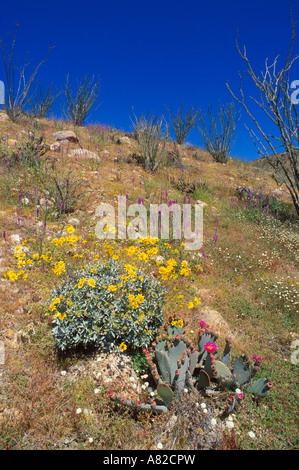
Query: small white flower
{"type": "Point", "coordinates": [78, 411]}
{"type": "Point", "coordinates": [251, 434]}
{"type": "Point", "coordinates": [90, 439]}
{"type": "Point", "coordinates": [204, 410]}
{"type": "Point", "coordinates": [203, 406]}
{"type": "Point", "coordinates": [213, 422]}
{"type": "Point", "coordinates": [185, 390]}
{"type": "Point", "coordinates": [63, 372]}
{"type": "Point", "coordinates": [238, 390]}
{"type": "Point", "coordinates": [159, 445]}
{"type": "Point", "coordinates": [230, 418]}
{"type": "Point", "coordinates": [96, 390]}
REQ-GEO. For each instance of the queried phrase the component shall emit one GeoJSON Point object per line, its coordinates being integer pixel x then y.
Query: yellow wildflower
{"type": "Point", "coordinates": [112, 288]}
{"type": "Point", "coordinates": [81, 282]}
{"type": "Point", "coordinates": [54, 303]}
{"type": "Point", "coordinates": [11, 275]}
{"type": "Point", "coordinates": [59, 268]}
{"type": "Point", "coordinates": [70, 229]}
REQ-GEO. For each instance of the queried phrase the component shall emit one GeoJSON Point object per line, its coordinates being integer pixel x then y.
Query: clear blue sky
{"type": "Point", "coordinates": [151, 54]}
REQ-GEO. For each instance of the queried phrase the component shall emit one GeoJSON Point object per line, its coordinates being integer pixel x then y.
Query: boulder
{"type": "Point", "coordinates": [83, 153]}
{"type": "Point", "coordinates": [125, 140]}
{"type": "Point", "coordinates": [74, 222]}
{"type": "Point", "coordinates": [66, 135]}
{"type": "Point", "coordinates": [4, 117]}
{"type": "Point", "coordinates": [55, 146]}
{"type": "Point", "coordinates": [15, 239]}
{"type": "Point", "coordinates": [216, 322]}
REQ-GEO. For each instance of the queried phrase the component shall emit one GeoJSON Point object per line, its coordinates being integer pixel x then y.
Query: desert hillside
{"type": "Point", "coordinates": [62, 386]}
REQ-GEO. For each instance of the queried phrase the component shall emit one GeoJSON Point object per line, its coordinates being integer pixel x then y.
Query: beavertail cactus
{"type": "Point", "coordinates": [176, 364]}
{"type": "Point", "coordinates": [172, 360]}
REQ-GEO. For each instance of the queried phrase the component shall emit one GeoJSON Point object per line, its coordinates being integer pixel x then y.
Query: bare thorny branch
{"type": "Point", "coordinates": [18, 88]}
{"type": "Point", "coordinates": [275, 102]}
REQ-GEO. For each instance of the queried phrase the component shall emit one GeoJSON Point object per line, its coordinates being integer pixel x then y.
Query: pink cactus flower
{"type": "Point", "coordinates": [210, 347]}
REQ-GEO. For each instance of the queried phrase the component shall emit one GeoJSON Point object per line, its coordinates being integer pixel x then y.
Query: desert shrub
{"type": "Point", "coordinates": [42, 101]}
{"type": "Point", "coordinates": [80, 103]}
{"type": "Point", "coordinates": [27, 152]}
{"type": "Point", "coordinates": [62, 191]}
{"type": "Point", "coordinates": [261, 207]}
{"type": "Point", "coordinates": [18, 85]}
{"type": "Point", "coordinates": [150, 133]}
{"type": "Point", "coordinates": [173, 157]}
{"type": "Point", "coordinates": [218, 130]}
{"type": "Point", "coordinates": [107, 306]}
{"type": "Point", "coordinates": [103, 134]}
{"type": "Point", "coordinates": [187, 185]}
{"type": "Point", "coordinates": [183, 121]}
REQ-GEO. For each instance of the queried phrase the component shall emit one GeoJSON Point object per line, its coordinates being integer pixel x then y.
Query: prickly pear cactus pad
{"type": "Point", "coordinates": [177, 367]}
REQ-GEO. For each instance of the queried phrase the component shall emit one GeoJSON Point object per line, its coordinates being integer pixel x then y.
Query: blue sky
{"type": "Point", "coordinates": [152, 54]}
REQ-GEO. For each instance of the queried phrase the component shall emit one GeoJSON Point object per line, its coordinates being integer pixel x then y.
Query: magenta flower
{"type": "Point", "coordinates": [257, 359]}
{"type": "Point", "coordinates": [210, 347]}
{"type": "Point", "coordinates": [202, 324]}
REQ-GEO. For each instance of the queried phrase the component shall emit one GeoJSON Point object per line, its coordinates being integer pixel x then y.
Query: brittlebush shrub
{"type": "Point", "coordinates": [108, 306]}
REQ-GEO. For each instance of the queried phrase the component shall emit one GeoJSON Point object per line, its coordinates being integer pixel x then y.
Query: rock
{"type": "Point", "coordinates": [125, 140]}
{"type": "Point", "coordinates": [55, 146]}
{"type": "Point", "coordinates": [74, 222]}
{"type": "Point", "coordinates": [83, 153]}
{"type": "Point", "coordinates": [15, 239]}
{"type": "Point", "coordinates": [217, 323]}
{"type": "Point", "coordinates": [204, 204]}
{"type": "Point", "coordinates": [277, 193]}
{"type": "Point", "coordinates": [25, 201]}
{"type": "Point", "coordinates": [65, 135]}
{"type": "Point", "coordinates": [12, 142]}
{"type": "Point", "coordinates": [244, 192]}
{"type": "Point", "coordinates": [4, 117]}
{"type": "Point", "coordinates": [11, 337]}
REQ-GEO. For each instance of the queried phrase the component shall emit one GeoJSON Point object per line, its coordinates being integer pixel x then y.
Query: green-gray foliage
{"type": "Point", "coordinates": [96, 314]}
